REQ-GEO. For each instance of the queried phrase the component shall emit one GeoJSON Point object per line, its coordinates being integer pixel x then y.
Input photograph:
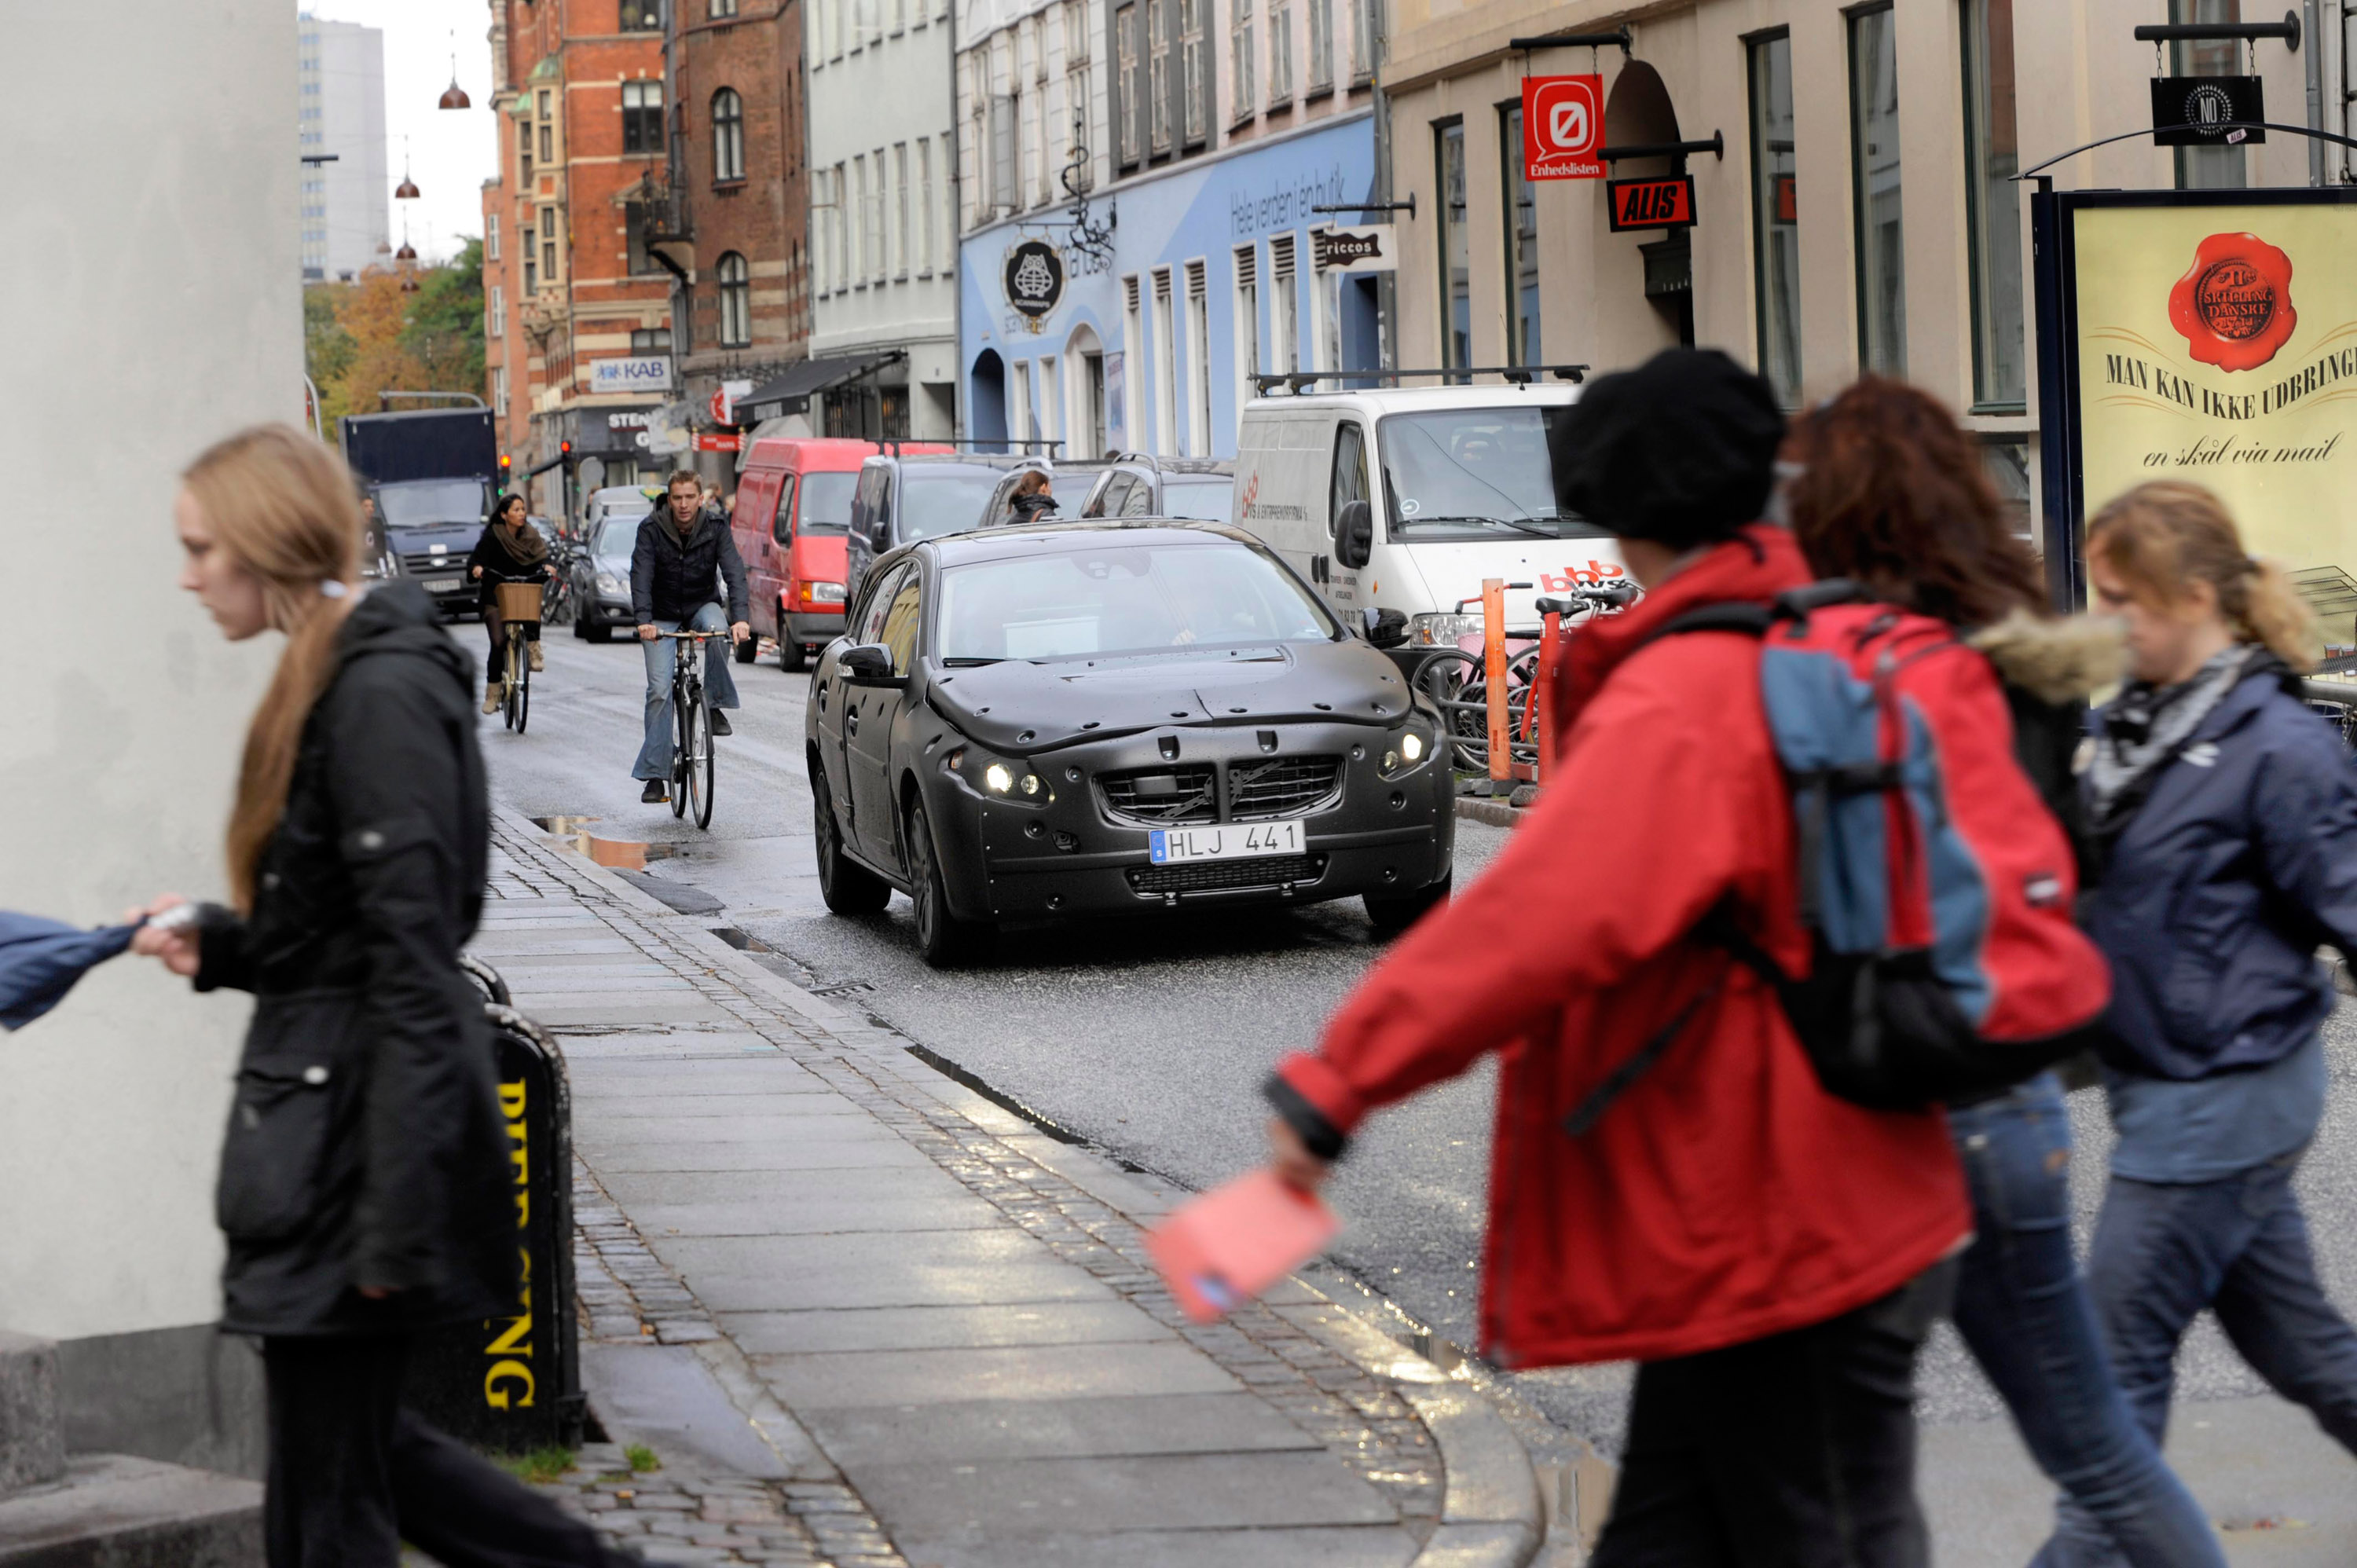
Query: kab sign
{"type": "Point", "coordinates": [638, 373]}
{"type": "Point", "coordinates": [1651, 203]}
{"type": "Point", "coordinates": [1563, 126]}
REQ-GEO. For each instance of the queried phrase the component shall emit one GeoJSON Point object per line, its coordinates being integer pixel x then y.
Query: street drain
{"type": "Point", "coordinates": [841, 988]}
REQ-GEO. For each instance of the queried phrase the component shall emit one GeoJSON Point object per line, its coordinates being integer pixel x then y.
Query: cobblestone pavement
{"type": "Point", "coordinates": [661, 995]}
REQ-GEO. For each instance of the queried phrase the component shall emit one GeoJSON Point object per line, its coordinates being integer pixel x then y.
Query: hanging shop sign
{"type": "Point", "coordinates": [1563, 127]}
{"type": "Point", "coordinates": [1666, 203]}
{"type": "Point", "coordinates": [1034, 277]}
{"type": "Point", "coordinates": [2210, 336]}
{"type": "Point", "coordinates": [2193, 111]}
{"type": "Point", "coordinates": [1369, 248]}
{"type": "Point", "coordinates": [634, 373]}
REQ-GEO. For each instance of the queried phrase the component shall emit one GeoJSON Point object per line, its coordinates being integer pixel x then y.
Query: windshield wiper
{"type": "Point", "coordinates": [969, 662]}
{"type": "Point", "coordinates": [1468, 517]}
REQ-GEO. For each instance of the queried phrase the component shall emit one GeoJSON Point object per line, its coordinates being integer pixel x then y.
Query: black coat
{"type": "Point", "coordinates": [673, 577]}
{"type": "Point", "coordinates": [498, 560]}
{"type": "Point", "coordinates": [365, 1145]}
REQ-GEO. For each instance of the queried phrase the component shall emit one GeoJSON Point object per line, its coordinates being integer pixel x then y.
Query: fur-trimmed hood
{"type": "Point", "coordinates": [2062, 659]}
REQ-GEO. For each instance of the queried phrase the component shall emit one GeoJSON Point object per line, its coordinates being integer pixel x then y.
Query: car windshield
{"type": "Point", "coordinates": [618, 535]}
{"type": "Point", "coordinates": [937, 501]}
{"type": "Point", "coordinates": [826, 503]}
{"type": "Point", "coordinates": [1204, 500]}
{"type": "Point", "coordinates": [1110, 598]}
{"type": "Point", "coordinates": [432, 503]}
{"type": "Point", "coordinates": [1479, 473]}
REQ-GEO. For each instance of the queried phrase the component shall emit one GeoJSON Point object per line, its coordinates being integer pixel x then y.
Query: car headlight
{"type": "Point", "coordinates": [823, 592]}
{"type": "Point", "coordinates": [608, 584]}
{"type": "Point", "coordinates": [998, 779]}
{"type": "Point", "coordinates": [1411, 746]}
{"type": "Point", "coordinates": [1441, 631]}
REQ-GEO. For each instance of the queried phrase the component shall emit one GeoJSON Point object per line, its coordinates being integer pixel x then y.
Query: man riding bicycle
{"type": "Point", "coordinates": [683, 553]}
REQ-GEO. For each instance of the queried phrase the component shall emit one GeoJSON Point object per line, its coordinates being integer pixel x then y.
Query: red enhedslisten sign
{"type": "Point", "coordinates": [1563, 126]}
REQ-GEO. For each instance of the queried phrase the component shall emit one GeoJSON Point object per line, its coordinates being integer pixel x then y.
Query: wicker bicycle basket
{"type": "Point", "coordinates": [519, 601]}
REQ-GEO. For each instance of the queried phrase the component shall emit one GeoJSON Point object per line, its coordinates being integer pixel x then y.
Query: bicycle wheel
{"type": "Point", "coordinates": [520, 692]}
{"type": "Point", "coordinates": [517, 666]}
{"type": "Point", "coordinates": [683, 702]}
{"type": "Point", "coordinates": [700, 759]}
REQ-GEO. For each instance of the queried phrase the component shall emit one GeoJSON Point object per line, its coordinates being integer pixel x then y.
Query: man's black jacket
{"type": "Point", "coordinates": [672, 576]}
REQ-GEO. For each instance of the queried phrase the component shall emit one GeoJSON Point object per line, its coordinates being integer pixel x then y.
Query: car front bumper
{"type": "Point", "coordinates": [1068, 851]}
{"type": "Point", "coordinates": [452, 592]}
{"type": "Point", "coordinates": [817, 628]}
{"type": "Point", "coordinates": [603, 611]}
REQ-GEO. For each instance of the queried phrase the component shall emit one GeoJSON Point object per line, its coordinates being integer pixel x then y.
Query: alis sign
{"type": "Point", "coordinates": [1372, 248]}
{"type": "Point", "coordinates": [1563, 126]}
{"type": "Point", "coordinates": [1664, 203]}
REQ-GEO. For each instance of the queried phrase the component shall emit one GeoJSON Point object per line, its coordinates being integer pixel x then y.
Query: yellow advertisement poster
{"type": "Point", "coordinates": [2218, 343]}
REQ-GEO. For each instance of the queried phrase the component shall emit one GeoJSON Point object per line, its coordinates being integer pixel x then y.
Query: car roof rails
{"type": "Point", "coordinates": [1300, 381]}
{"type": "Point", "coordinates": [891, 444]}
{"type": "Point", "coordinates": [1149, 459]}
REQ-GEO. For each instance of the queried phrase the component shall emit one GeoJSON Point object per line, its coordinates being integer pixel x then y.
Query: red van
{"type": "Point", "coordinates": [793, 517]}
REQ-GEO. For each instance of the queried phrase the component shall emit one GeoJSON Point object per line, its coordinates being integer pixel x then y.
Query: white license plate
{"type": "Point", "coordinates": [447, 586]}
{"type": "Point", "coordinates": [1234, 841]}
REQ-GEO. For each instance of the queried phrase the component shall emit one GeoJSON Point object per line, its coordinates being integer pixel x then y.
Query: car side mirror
{"type": "Point", "coordinates": [1385, 629]}
{"type": "Point", "coordinates": [1354, 534]}
{"type": "Point", "coordinates": [867, 662]}
{"type": "Point", "coordinates": [879, 538]}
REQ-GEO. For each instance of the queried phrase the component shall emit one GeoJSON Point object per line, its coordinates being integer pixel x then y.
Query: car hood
{"type": "Point", "coordinates": [1023, 706]}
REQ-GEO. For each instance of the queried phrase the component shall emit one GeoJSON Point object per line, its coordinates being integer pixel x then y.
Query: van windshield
{"type": "Point", "coordinates": [826, 502]}
{"type": "Point", "coordinates": [430, 503]}
{"type": "Point", "coordinates": [935, 501]}
{"type": "Point", "coordinates": [1478, 473]}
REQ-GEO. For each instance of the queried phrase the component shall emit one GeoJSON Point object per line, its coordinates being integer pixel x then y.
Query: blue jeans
{"type": "Point", "coordinates": [2028, 1320]}
{"type": "Point", "coordinates": [654, 754]}
{"type": "Point", "coordinates": [2239, 1246]}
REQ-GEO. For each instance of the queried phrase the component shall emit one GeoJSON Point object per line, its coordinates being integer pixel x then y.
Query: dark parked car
{"type": "Point", "coordinates": [1138, 484]}
{"type": "Point", "coordinates": [1098, 718]}
{"type": "Point", "coordinates": [902, 497]}
{"type": "Point", "coordinates": [601, 576]}
{"type": "Point", "coordinates": [1072, 479]}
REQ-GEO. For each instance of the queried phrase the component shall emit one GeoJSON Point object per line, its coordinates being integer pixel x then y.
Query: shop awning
{"type": "Point", "coordinates": [791, 392]}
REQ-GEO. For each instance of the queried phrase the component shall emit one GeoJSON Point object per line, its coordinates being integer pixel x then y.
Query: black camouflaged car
{"type": "Point", "coordinates": [1109, 717]}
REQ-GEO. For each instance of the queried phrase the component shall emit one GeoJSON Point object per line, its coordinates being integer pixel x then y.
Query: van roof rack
{"type": "Point", "coordinates": [1299, 381]}
{"type": "Point", "coordinates": [891, 444]}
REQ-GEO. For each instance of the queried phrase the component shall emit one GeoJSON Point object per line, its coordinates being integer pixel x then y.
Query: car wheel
{"type": "Point", "coordinates": [580, 620]}
{"type": "Point", "coordinates": [848, 888]}
{"type": "Point", "coordinates": [600, 632]}
{"type": "Point", "coordinates": [789, 648]}
{"type": "Point", "coordinates": [1391, 915]}
{"type": "Point", "coordinates": [944, 941]}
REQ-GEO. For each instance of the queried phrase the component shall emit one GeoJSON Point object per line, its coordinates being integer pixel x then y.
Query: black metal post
{"type": "Point", "coordinates": [2058, 523]}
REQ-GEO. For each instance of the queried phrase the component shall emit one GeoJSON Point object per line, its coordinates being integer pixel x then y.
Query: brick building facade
{"type": "Point", "coordinates": [735, 212]}
{"type": "Point", "coordinates": [569, 278]}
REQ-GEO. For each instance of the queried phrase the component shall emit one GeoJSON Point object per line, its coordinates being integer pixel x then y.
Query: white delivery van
{"type": "Point", "coordinates": [1459, 486]}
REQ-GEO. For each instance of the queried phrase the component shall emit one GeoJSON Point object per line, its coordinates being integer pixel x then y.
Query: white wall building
{"type": "Point", "coordinates": [883, 226]}
{"type": "Point", "coordinates": [340, 77]}
{"type": "Point", "coordinates": [174, 218]}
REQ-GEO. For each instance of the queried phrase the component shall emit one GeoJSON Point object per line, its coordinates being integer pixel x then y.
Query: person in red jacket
{"type": "Point", "coordinates": [1772, 1255]}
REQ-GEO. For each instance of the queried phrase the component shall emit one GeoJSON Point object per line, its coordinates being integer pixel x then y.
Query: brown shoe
{"type": "Point", "coordinates": [493, 691]}
{"type": "Point", "coordinates": [533, 649]}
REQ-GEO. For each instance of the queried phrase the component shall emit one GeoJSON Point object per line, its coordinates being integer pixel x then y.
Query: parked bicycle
{"type": "Point", "coordinates": [1457, 680]}
{"type": "Point", "coordinates": [691, 752]}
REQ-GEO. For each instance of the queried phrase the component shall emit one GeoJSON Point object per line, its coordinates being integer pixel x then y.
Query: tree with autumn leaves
{"type": "Point", "coordinates": [370, 336]}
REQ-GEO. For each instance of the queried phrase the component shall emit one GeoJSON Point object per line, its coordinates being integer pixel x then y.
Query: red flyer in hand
{"type": "Point", "coordinates": [1220, 1250]}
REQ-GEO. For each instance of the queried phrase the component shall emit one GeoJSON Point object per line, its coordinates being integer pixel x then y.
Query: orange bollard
{"type": "Point", "coordinates": [1534, 701]}
{"type": "Point", "coordinates": [1493, 665]}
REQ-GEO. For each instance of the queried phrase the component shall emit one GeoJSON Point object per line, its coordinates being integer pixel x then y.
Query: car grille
{"type": "Point", "coordinates": [1213, 875]}
{"type": "Point", "coordinates": [416, 564]}
{"type": "Point", "coordinates": [1281, 787]}
{"type": "Point", "coordinates": [1157, 797]}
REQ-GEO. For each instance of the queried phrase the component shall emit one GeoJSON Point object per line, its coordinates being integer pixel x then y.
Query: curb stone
{"type": "Point", "coordinates": [1490, 1512]}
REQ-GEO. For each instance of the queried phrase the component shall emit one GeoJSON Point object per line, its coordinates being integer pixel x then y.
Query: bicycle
{"type": "Point", "coordinates": [691, 755]}
{"type": "Point", "coordinates": [520, 600]}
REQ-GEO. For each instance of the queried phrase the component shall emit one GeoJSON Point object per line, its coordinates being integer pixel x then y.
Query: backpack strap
{"type": "Point", "coordinates": [1755, 620]}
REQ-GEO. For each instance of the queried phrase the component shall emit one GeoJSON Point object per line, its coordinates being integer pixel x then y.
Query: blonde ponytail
{"type": "Point", "coordinates": [283, 506]}
{"type": "Point", "coordinates": [2161, 537]}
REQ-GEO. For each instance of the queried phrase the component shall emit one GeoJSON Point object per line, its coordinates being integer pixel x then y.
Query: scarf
{"type": "Point", "coordinates": [2146, 729]}
{"type": "Point", "coordinates": [524, 543]}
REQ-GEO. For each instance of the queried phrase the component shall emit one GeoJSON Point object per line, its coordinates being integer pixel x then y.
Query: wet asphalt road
{"type": "Point", "coordinates": [1150, 1037]}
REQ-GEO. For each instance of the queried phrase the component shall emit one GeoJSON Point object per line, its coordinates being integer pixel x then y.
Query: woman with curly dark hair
{"type": "Point", "coordinates": [1890, 493]}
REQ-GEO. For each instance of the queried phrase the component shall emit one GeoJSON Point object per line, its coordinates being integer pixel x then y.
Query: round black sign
{"type": "Point", "coordinates": [1034, 277]}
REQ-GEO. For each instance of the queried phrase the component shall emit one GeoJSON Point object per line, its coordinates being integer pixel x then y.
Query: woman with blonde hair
{"type": "Point", "coordinates": [363, 1186]}
{"type": "Point", "coordinates": [2223, 820]}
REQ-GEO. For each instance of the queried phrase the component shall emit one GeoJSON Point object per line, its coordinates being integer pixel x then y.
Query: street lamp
{"type": "Point", "coordinates": [407, 190]}
{"type": "Point", "coordinates": [454, 96]}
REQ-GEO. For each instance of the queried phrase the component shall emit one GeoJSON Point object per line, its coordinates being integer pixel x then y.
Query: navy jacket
{"type": "Point", "coordinates": [673, 577]}
{"type": "Point", "coordinates": [2241, 863]}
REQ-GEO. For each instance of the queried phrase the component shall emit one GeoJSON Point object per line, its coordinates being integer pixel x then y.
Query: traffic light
{"type": "Point", "coordinates": [565, 448]}
{"type": "Point", "coordinates": [506, 464]}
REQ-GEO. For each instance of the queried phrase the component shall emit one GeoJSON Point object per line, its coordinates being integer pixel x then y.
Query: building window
{"type": "Point", "coordinates": [642, 116]}
{"type": "Point", "coordinates": [1992, 207]}
{"type": "Point", "coordinates": [1157, 74]}
{"type": "Point", "coordinates": [530, 271]}
{"type": "Point", "coordinates": [2005, 460]}
{"type": "Point", "coordinates": [1456, 261]}
{"type": "Point", "coordinates": [1364, 31]}
{"type": "Point", "coordinates": [925, 207]}
{"type": "Point", "coordinates": [842, 227]}
{"type": "Point", "coordinates": [1241, 53]}
{"type": "Point", "coordinates": [642, 16]}
{"type": "Point", "coordinates": [1521, 249]}
{"type": "Point", "coordinates": [1321, 46]}
{"type": "Point", "coordinates": [548, 244]}
{"type": "Point", "coordinates": [728, 136]}
{"type": "Point", "coordinates": [524, 152]}
{"type": "Point", "coordinates": [1874, 191]}
{"type": "Point", "coordinates": [879, 262]}
{"type": "Point", "coordinates": [900, 209]}
{"type": "Point", "coordinates": [1775, 217]}
{"type": "Point", "coordinates": [1132, 365]}
{"type": "Point", "coordinates": [1129, 85]}
{"type": "Point", "coordinates": [490, 236]}
{"type": "Point", "coordinates": [547, 142]}
{"type": "Point", "coordinates": [1194, 71]}
{"type": "Point", "coordinates": [651, 340]}
{"type": "Point", "coordinates": [1247, 312]}
{"type": "Point", "coordinates": [498, 311]}
{"type": "Point", "coordinates": [635, 260]}
{"type": "Point", "coordinates": [857, 217]}
{"type": "Point", "coordinates": [1280, 52]}
{"type": "Point", "coordinates": [1198, 360]}
{"type": "Point", "coordinates": [2208, 168]}
{"type": "Point", "coordinates": [722, 9]}
{"type": "Point", "coordinates": [1284, 307]}
{"type": "Point", "coordinates": [500, 391]}
{"type": "Point", "coordinates": [1002, 189]}
{"type": "Point", "coordinates": [736, 301]}
{"type": "Point", "coordinates": [1166, 370]}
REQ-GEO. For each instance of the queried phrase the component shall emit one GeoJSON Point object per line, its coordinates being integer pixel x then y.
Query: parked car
{"type": "Point", "coordinates": [1115, 717]}
{"type": "Point", "coordinates": [1138, 484]}
{"type": "Point", "coordinates": [1404, 499]}
{"type": "Point", "coordinates": [1073, 479]}
{"type": "Point", "coordinates": [600, 571]}
{"type": "Point", "coordinates": [904, 495]}
{"type": "Point", "coordinates": [793, 526]}
{"type": "Point", "coordinates": [636, 501]}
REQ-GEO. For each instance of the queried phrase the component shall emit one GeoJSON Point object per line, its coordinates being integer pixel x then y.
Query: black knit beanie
{"type": "Point", "coordinates": [1680, 450]}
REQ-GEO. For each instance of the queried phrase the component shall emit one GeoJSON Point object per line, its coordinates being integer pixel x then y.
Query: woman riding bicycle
{"type": "Point", "coordinates": [511, 551]}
